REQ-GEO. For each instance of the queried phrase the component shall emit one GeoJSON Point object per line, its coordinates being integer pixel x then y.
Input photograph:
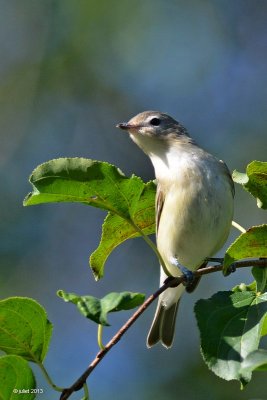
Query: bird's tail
{"type": "Point", "coordinates": [163, 325]}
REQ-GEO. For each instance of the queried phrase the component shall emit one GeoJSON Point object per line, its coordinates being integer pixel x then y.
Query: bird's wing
{"type": "Point", "coordinates": [160, 197]}
{"type": "Point", "coordinates": [229, 177]}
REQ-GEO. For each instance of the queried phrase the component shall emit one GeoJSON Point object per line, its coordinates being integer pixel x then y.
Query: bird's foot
{"type": "Point", "coordinates": [189, 275]}
{"type": "Point", "coordinates": [231, 269]}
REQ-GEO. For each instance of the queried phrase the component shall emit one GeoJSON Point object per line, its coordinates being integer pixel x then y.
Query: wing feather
{"type": "Point", "coordinates": [160, 197]}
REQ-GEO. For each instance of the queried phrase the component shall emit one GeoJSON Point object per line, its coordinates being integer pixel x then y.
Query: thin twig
{"type": "Point", "coordinates": [170, 282]}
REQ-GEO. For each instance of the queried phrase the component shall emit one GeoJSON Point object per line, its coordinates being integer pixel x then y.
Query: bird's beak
{"type": "Point", "coordinates": [123, 125]}
{"type": "Point", "coordinates": [126, 126]}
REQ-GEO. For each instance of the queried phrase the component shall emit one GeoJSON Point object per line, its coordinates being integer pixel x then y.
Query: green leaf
{"type": "Point", "coordinates": [24, 329]}
{"type": "Point", "coordinates": [264, 327]}
{"type": "Point", "coordinates": [116, 230]}
{"type": "Point", "coordinates": [97, 309]}
{"type": "Point", "coordinates": [252, 243]}
{"type": "Point", "coordinates": [256, 360]}
{"type": "Point", "coordinates": [17, 379]}
{"type": "Point", "coordinates": [254, 181]}
{"type": "Point", "coordinates": [130, 201]}
{"type": "Point", "coordinates": [230, 325]}
{"type": "Point", "coordinates": [86, 181]}
{"type": "Point", "coordinates": [260, 275]}
{"type": "Point", "coordinates": [240, 177]}
{"type": "Point", "coordinates": [258, 286]}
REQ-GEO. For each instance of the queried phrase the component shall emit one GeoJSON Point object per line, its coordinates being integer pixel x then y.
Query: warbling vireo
{"type": "Point", "coordinates": [194, 207]}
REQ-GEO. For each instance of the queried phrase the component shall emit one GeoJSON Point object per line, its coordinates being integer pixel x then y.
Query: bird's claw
{"type": "Point", "coordinates": [188, 275]}
{"type": "Point", "coordinates": [231, 268]}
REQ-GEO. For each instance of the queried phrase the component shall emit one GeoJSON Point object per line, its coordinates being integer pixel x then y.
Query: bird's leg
{"type": "Point", "coordinates": [189, 275]}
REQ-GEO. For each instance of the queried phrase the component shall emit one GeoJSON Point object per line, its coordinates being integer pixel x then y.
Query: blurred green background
{"type": "Point", "coordinates": [70, 70]}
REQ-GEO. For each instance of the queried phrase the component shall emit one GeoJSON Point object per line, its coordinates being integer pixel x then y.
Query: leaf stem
{"type": "Point", "coordinates": [86, 392]}
{"type": "Point", "coordinates": [47, 377]}
{"type": "Point", "coordinates": [152, 245]}
{"type": "Point", "coordinates": [238, 227]}
{"type": "Point", "coordinates": [99, 337]}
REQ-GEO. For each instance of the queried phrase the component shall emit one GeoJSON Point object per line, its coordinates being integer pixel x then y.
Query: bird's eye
{"type": "Point", "coordinates": [155, 121]}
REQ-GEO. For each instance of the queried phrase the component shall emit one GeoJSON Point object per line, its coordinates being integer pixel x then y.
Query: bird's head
{"type": "Point", "coordinates": [151, 129]}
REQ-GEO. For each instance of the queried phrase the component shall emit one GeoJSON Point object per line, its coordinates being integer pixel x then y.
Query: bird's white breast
{"type": "Point", "coordinates": [198, 206]}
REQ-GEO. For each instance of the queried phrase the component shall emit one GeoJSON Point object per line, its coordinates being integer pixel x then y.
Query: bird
{"type": "Point", "coordinates": [194, 208]}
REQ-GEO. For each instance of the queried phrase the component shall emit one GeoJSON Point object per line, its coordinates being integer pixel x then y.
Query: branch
{"type": "Point", "coordinates": [170, 282]}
